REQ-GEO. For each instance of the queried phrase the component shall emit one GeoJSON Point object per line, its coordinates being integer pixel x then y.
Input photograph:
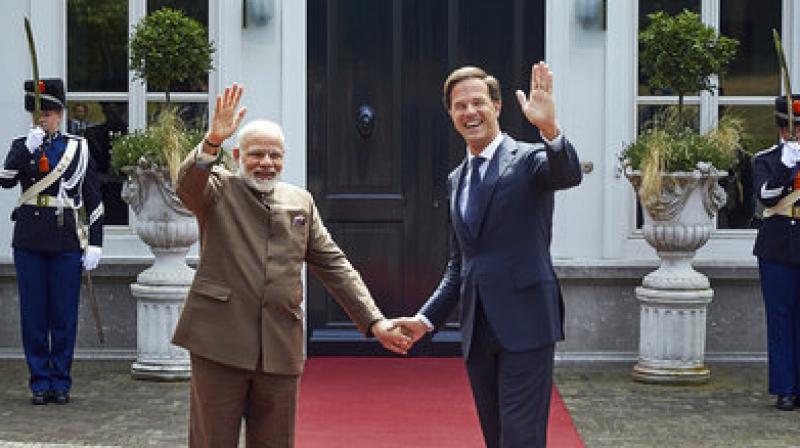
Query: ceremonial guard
{"type": "Point", "coordinates": [57, 179]}
{"type": "Point", "coordinates": [777, 183]}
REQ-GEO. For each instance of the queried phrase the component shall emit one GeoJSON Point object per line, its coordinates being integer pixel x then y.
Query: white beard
{"type": "Point", "coordinates": [263, 186]}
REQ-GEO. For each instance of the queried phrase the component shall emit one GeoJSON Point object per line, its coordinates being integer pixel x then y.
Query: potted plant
{"type": "Point", "coordinates": [675, 171]}
{"type": "Point", "coordinates": [166, 49]}
{"type": "Point", "coordinates": [678, 54]}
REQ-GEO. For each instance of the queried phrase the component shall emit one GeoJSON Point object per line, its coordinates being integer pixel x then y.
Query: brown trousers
{"type": "Point", "coordinates": [222, 396]}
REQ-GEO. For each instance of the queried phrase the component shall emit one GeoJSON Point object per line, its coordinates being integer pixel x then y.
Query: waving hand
{"type": "Point", "coordinates": [539, 107]}
{"type": "Point", "coordinates": [227, 115]}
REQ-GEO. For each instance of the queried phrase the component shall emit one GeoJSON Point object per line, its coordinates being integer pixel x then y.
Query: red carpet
{"type": "Point", "coordinates": [393, 402]}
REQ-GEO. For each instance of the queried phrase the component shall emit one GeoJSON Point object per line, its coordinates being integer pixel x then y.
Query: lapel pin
{"type": "Point", "coordinates": [299, 220]}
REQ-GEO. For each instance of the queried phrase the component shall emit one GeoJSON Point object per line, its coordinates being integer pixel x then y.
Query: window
{"type": "Point", "coordinates": [102, 97]}
{"type": "Point", "coordinates": [747, 90]}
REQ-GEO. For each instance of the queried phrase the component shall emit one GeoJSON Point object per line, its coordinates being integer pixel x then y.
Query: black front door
{"type": "Point", "coordinates": [380, 144]}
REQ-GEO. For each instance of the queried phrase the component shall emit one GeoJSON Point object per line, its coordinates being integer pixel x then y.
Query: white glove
{"type": "Point", "coordinates": [790, 154]}
{"type": "Point", "coordinates": [34, 139]}
{"type": "Point", "coordinates": [92, 257]}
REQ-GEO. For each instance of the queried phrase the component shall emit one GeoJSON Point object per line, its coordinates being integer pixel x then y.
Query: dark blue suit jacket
{"type": "Point", "coordinates": [37, 228]}
{"type": "Point", "coordinates": [778, 237]}
{"type": "Point", "coordinates": [508, 263]}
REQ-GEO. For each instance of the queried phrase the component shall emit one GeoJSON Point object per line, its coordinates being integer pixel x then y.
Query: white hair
{"type": "Point", "coordinates": [260, 127]}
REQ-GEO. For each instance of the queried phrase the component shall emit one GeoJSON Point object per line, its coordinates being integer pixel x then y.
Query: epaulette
{"type": "Point", "coordinates": [760, 153]}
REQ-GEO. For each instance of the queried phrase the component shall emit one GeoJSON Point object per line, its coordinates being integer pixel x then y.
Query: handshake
{"type": "Point", "coordinates": [400, 334]}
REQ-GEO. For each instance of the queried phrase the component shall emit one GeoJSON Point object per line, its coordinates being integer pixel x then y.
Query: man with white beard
{"type": "Point", "coordinates": [262, 138]}
{"type": "Point", "coordinates": [243, 319]}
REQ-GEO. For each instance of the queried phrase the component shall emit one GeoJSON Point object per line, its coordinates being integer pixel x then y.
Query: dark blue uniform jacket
{"type": "Point", "coordinates": [778, 238]}
{"type": "Point", "coordinates": [36, 227]}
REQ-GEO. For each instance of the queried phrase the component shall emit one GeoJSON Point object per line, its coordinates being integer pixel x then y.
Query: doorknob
{"type": "Point", "coordinates": [365, 121]}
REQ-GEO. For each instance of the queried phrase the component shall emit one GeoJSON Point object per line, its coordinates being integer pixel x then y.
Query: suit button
{"type": "Point", "coordinates": [35, 213]}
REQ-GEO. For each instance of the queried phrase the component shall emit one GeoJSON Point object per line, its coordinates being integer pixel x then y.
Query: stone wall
{"type": "Point", "coordinates": [602, 320]}
{"type": "Point", "coordinates": [602, 317]}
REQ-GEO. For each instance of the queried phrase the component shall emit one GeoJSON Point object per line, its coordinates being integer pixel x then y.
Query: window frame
{"type": "Point", "coordinates": [626, 241]}
{"type": "Point", "coordinates": [121, 240]}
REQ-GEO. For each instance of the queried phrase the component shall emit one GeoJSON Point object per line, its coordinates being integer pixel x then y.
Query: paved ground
{"type": "Point", "coordinates": [732, 410]}
{"type": "Point", "coordinates": [609, 409]}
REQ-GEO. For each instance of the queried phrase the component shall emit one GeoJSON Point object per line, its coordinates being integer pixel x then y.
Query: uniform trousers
{"type": "Point", "coordinates": [49, 289]}
{"type": "Point", "coordinates": [780, 286]}
{"type": "Point", "coordinates": [221, 396]}
{"type": "Point", "coordinates": [512, 390]}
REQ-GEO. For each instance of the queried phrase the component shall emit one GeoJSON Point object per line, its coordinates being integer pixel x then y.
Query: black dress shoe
{"type": "Point", "coordinates": [60, 397]}
{"type": "Point", "coordinates": [39, 398]}
{"type": "Point", "coordinates": [785, 403]}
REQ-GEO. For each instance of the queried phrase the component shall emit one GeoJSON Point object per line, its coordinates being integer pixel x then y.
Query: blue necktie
{"type": "Point", "coordinates": [471, 218]}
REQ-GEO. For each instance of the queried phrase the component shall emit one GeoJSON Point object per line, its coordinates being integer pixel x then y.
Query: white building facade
{"type": "Point", "coordinates": [591, 46]}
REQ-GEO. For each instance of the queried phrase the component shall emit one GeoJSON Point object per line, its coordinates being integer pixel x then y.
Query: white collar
{"type": "Point", "coordinates": [489, 150]}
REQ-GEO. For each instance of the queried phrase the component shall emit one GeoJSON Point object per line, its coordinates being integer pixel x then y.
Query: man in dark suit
{"type": "Point", "coordinates": [501, 210]}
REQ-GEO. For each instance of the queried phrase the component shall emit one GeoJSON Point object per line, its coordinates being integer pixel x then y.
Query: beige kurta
{"type": "Point", "coordinates": [245, 299]}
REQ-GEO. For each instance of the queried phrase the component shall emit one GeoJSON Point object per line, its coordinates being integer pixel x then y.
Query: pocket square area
{"type": "Point", "coordinates": [299, 220]}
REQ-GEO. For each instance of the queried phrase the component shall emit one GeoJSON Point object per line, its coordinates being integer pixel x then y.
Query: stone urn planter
{"type": "Point", "coordinates": [169, 229]}
{"type": "Point", "coordinates": [674, 298]}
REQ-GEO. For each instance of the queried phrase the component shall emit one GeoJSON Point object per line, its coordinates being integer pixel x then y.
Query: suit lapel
{"type": "Point", "coordinates": [497, 166]}
{"type": "Point", "coordinates": [455, 199]}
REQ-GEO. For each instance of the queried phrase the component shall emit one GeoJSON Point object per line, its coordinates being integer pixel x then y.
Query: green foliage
{"type": "Point", "coordinates": [680, 147]}
{"type": "Point", "coordinates": [679, 53]}
{"type": "Point", "coordinates": [128, 149]}
{"type": "Point", "coordinates": [668, 145]}
{"type": "Point", "coordinates": [168, 47]}
{"type": "Point", "coordinates": [163, 145]}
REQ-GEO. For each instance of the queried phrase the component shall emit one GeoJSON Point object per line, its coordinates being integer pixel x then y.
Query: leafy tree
{"type": "Point", "coordinates": [167, 47]}
{"type": "Point", "coordinates": [680, 53]}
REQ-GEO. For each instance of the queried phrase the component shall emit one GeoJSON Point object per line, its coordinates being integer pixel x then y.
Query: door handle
{"type": "Point", "coordinates": [365, 121]}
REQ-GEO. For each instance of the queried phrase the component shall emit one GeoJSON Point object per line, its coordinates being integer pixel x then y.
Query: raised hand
{"type": "Point", "coordinates": [391, 337]}
{"type": "Point", "coordinates": [412, 327]}
{"type": "Point", "coordinates": [227, 115]}
{"type": "Point", "coordinates": [539, 107]}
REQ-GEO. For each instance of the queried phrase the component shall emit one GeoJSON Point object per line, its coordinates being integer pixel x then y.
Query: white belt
{"type": "Point", "coordinates": [45, 200]}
